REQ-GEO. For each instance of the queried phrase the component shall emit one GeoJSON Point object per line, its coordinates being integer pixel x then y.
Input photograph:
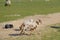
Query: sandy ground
{"type": "Point", "coordinates": [46, 20]}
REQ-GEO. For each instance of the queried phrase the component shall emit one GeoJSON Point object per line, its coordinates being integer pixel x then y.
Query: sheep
{"type": "Point", "coordinates": [7, 2]}
{"type": "Point", "coordinates": [29, 25]}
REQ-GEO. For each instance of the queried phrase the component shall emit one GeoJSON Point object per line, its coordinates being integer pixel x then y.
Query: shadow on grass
{"type": "Point", "coordinates": [14, 34]}
{"type": "Point", "coordinates": [20, 34]}
{"type": "Point", "coordinates": [57, 27]}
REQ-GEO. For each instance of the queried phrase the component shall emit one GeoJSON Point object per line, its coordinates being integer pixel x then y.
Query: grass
{"type": "Point", "coordinates": [27, 8]}
{"type": "Point", "coordinates": [51, 33]}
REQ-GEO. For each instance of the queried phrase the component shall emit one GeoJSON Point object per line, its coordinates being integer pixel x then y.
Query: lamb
{"type": "Point", "coordinates": [7, 2]}
{"type": "Point", "coordinates": [29, 25]}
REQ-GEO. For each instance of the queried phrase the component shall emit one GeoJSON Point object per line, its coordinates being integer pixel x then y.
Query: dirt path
{"type": "Point", "coordinates": [46, 20]}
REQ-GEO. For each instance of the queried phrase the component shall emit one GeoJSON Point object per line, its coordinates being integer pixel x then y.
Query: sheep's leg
{"type": "Point", "coordinates": [22, 32]}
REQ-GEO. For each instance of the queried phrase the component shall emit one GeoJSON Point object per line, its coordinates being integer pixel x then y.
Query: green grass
{"type": "Point", "coordinates": [51, 33]}
{"type": "Point", "coordinates": [27, 8]}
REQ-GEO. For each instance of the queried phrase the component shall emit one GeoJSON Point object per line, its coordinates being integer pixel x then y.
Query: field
{"type": "Point", "coordinates": [22, 8]}
{"type": "Point", "coordinates": [47, 11]}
